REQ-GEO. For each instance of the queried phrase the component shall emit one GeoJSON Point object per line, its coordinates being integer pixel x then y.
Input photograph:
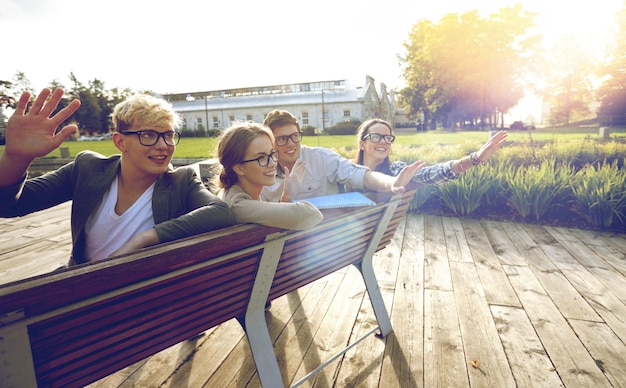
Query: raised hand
{"type": "Point", "coordinates": [293, 181]}
{"type": "Point", "coordinates": [33, 134]}
{"type": "Point", "coordinates": [491, 146]}
{"type": "Point", "coordinates": [405, 176]}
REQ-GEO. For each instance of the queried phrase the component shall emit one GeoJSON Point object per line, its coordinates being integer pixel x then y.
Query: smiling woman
{"type": "Point", "coordinates": [248, 158]}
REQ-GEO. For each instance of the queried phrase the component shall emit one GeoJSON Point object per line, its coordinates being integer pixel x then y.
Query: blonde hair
{"type": "Point", "coordinates": [232, 147]}
{"type": "Point", "coordinates": [146, 110]}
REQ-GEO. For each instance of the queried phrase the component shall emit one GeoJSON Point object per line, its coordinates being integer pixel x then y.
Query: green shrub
{"type": "Point", "coordinates": [600, 194]}
{"type": "Point", "coordinates": [533, 190]}
{"type": "Point", "coordinates": [344, 128]}
{"type": "Point", "coordinates": [465, 194]}
{"type": "Point", "coordinates": [308, 130]}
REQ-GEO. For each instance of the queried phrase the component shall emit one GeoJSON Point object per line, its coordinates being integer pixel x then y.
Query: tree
{"type": "Point", "coordinates": [465, 68]}
{"type": "Point", "coordinates": [88, 116]}
{"type": "Point", "coordinates": [6, 98]}
{"type": "Point", "coordinates": [612, 93]}
{"type": "Point", "coordinates": [569, 73]}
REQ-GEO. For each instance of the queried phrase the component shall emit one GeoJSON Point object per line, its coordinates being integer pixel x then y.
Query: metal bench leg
{"type": "Point", "coordinates": [255, 325]}
{"type": "Point", "coordinates": [16, 365]}
{"type": "Point", "coordinates": [378, 304]}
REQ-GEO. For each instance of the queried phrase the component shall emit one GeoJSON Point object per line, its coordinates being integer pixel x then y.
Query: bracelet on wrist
{"type": "Point", "coordinates": [474, 159]}
{"type": "Point", "coordinates": [463, 169]}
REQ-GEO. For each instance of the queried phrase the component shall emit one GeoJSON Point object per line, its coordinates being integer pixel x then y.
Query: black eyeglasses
{"type": "Point", "coordinates": [376, 138]}
{"type": "Point", "coordinates": [295, 137]}
{"type": "Point", "coordinates": [264, 160]}
{"type": "Point", "coordinates": [148, 137]}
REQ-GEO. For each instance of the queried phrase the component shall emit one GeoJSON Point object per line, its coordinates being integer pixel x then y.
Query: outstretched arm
{"type": "Point", "coordinates": [380, 182]}
{"type": "Point", "coordinates": [33, 134]}
{"type": "Point", "coordinates": [482, 155]}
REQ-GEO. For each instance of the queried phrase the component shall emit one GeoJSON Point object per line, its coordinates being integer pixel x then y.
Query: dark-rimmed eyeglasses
{"type": "Point", "coordinates": [376, 138]}
{"type": "Point", "coordinates": [264, 160]}
{"type": "Point", "coordinates": [295, 138]}
{"type": "Point", "coordinates": [148, 137]}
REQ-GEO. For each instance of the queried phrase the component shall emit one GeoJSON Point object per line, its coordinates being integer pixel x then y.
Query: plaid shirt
{"type": "Point", "coordinates": [431, 175]}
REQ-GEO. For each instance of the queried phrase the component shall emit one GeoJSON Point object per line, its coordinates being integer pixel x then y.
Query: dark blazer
{"type": "Point", "coordinates": [181, 205]}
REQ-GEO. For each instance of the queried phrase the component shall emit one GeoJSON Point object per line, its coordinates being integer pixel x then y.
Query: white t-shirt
{"type": "Point", "coordinates": [106, 231]}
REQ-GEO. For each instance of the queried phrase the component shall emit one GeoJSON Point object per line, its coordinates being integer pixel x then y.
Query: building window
{"type": "Point", "coordinates": [199, 123]}
{"type": "Point", "coordinates": [231, 118]}
{"type": "Point", "coordinates": [248, 117]}
{"type": "Point", "coordinates": [305, 118]}
{"type": "Point", "coordinates": [346, 114]}
{"type": "Point", "coordinates": [216, 122]}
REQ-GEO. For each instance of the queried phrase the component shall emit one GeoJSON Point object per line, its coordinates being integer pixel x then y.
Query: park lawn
{"type": "Point", "coordinates": [201, 147]}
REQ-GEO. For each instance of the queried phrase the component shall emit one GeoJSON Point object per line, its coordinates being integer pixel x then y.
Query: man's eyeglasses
{"type": "Point", "coordinates": [148, 137]}
{"type": "Point", "coordinates": [264, 160]}
{"type": "Point", "coordinates": [376, 138]}
{"type": "Point", "coordinates": [295, 137]}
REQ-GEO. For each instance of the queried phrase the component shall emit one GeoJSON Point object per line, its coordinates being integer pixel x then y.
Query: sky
{"type": "Point", "coordinates": [185, 45]}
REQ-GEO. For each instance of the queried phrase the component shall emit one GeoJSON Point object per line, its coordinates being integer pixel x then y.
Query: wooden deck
{"type": "Point", "coordinates": [473, 303]}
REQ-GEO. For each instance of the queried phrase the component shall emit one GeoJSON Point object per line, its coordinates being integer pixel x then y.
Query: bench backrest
{"type": "Point", "coordinates": [74, 327]}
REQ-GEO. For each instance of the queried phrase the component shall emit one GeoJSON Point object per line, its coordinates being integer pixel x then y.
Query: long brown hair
{"type": "Point", "coordinates": [232, 147]}
{"type": "Point", "coordinates": [362, 131]}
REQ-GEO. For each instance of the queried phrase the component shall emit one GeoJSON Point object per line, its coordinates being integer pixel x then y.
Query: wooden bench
{"type": "Point", "coordinates": [76, 326]}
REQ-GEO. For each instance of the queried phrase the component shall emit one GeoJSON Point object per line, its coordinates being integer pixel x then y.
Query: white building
{"type": "Point", "coordinates": [316, 104]}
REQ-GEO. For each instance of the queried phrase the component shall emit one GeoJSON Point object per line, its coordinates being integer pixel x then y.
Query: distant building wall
{"type": "Point", "coordinates": [318, 104]}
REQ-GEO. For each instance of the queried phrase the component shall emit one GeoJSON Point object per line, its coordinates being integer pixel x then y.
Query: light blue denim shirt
{"type": "Point", "coordinates": [324, 170]}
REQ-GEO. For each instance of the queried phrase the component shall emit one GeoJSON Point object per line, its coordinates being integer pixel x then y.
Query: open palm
{"type": "Point", "coordinates": [33, 134]}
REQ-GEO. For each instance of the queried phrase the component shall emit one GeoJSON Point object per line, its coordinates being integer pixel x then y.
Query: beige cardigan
{"type": "Point", "coordinates": [285, 215]}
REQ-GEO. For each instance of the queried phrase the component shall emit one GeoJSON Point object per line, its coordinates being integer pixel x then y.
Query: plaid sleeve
{"type": "Point", "coordinates": [435, 174]}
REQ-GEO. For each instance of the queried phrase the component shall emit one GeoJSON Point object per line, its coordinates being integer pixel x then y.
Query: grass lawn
{"type": "Point", "coordinates": [205, 147]}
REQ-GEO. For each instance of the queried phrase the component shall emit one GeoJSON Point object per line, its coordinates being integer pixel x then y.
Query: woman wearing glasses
{"type": "Point", "coordinates": [120, 203]}
{"type": "Point", "coordinates": [248, 158]}
{"type": "Point", "coordinates": [325, 169]}
{"type": "Point", "coordinates": [374, 139]}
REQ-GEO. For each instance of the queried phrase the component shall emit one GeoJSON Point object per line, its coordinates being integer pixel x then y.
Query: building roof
{"type": "Point", "coordinates": [271, 100]}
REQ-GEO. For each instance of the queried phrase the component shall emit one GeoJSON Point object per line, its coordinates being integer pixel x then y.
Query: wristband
{"type": "Point", "coordinates": [474, 159]}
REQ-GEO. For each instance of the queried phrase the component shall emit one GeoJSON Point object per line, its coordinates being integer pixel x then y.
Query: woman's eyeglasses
{"type": "Point", "coordinates": [264, 160]}
{"type": "Point", "coordinates": [148, 137]}
{"type": "Point", "coordinates": [295, 137]}
{"type": "Point", "coordinates": [376, 138]}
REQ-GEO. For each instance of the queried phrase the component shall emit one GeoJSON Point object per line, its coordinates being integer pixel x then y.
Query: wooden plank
{"type": "Point", "coordinates": [501, 243]}
{"type": "Point", "coordinates": [577, 248]}
{"type": "Point", "coordinates": [331, 335]}
{"type": "Point", "coordinates": [529, 362]}
{"type": "Point", "coordinates": [403, 362]}
{"type": "Point", "coordinates": [443, 345]}
{"type": "Point", "coordinates": [362, 365]}
{"type": "Point", "coordinates": [605, 347]}
{"type": "Point", "coordinates": [570, 358]}
{"type": "Point", "coordinates": [496, 285]}
{"type": "Point", "coordinates": [484, 354]}
{"type": "Point", "coordinates": [610, 308]}
{"type": "Point", "coordinates": [456, 242]}
{"type": "Point", "coordinates": [568, 300]}
{"type": "Point", "coordinates": [613, 256]}
{"type": "Point", "coordinates": [436, 269]}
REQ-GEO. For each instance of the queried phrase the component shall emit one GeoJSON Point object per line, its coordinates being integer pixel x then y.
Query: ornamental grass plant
{"type": "Point", "coordinates": [578, 183]}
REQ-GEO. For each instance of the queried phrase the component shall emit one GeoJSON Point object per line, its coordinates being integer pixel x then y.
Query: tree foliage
{"type": "Point", "coordinates": [569, 75]}
{"type": "Point", "coordinates": [466, 68]}
{"type": "Point", "coordinates": [97, 102]}
{"type": "Point", "coordinates": [612, 93]}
